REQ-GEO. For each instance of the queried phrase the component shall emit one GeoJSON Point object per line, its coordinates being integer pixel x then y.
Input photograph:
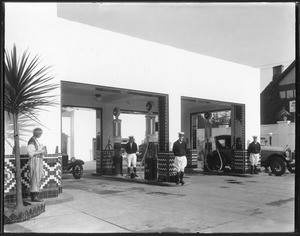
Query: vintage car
{"type": "Point", "coordinates": [221, 157]}
{"type": "Point", "coordinates": [277, 158]}
{"type": "Point", "coordinates": [73, 166]}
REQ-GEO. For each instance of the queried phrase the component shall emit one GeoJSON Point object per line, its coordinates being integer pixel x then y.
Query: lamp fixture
{"type": "Point", "coordinates": [98, 97]}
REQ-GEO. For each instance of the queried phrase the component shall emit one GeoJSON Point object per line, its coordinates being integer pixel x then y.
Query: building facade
{"type": "Point", "coordinates": [99, 70]}
{"type": "Point", "coordinates": [281, 92]}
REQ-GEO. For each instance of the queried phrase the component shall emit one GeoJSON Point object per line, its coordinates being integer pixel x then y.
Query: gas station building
{"type": "Point", "coordinates": [98, 69]}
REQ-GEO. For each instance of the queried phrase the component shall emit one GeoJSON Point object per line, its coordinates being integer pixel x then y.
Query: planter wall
{"type": "Point", "coordinates": [51, 182]}
{"type": "Point", "coordinates": [165, 167]}
{"type": "Point", "coordinates": [192, 158]}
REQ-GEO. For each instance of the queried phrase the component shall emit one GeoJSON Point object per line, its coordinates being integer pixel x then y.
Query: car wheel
{"type": "Point", "coordinates": [278, 166]}
{"type": "Point", "coordinates": [77, 171]}
{"type": "Point", "coordinates": [291, 168]}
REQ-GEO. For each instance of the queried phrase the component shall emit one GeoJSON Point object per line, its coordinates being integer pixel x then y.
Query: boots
{"type": "Point", "coordinates": [34, 197]}
{"type": "Point", "coordinates": [128, 171]}
{"type": "Point", "coordinates": [181, 178]}
{"type": "Point", "coordinates": [177, 178]}
{"type": "Point", "coordinates": [134, 170]}
{"type": "Point", "coordinates": [252, 170]}
{"type": "Point", "coordinates": [255, 170]}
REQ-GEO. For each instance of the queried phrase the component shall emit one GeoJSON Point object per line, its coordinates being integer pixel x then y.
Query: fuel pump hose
{"type": "Point", "coordinates": [205, 160]}
{"type": "Point", "coordinates": [143, 159]}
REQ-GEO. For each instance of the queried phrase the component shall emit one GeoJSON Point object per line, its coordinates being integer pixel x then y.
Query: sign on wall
{"type": "Point", "coordinates": [292, 106]}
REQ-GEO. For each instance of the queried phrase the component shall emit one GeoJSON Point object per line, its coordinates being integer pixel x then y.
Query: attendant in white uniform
{"type": "Point", "coordinates": [179, 150]}
{"type": "Point", "coordinates": [131, 149]}
{"type": "Point", "coordinates": [36, 152]}
{"type": "Point", "coordinates": [253, 152]}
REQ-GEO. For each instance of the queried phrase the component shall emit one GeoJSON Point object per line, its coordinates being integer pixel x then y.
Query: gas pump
{"type": "Point", "coordinates": [150, 153]}
{"type": "Point", "coordinates": [117, 139]}
{"type": "Point", "coordinates": [208, 156]}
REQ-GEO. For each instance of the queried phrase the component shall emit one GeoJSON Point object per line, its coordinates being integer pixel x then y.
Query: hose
{"type": "Point", "coordinates": [205, 159]}
{"type": "Point", "coordinates": [143, 159]}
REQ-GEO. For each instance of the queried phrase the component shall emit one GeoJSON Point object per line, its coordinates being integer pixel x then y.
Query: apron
{"type": "Point", "coordinates": [35, 164]}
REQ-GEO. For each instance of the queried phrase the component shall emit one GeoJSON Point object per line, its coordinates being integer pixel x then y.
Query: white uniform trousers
{"type": "Point", "coordinates": [180, 163]}
{"type": "Point", "coordinates": [254, 158]}
{"type": "Point", "coordinates": [131, 159]}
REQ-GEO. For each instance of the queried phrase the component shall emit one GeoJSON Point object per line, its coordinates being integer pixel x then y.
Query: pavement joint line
{"type": "Point", "coordinates": [102, 219]}
{"type": "Point", "coordinates": [17, 228]}
{"type": "Point", "coordinates": [224, 223]}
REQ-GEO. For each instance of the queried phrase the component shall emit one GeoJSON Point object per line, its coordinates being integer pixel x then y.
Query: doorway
{"type": "Point", "coordinates": [81, 132]}
{"type": "Point", "coordinates": [103, 100]}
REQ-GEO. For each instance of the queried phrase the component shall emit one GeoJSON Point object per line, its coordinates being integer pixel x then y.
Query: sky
{"type": "Point", "coordinates": [261, 35]}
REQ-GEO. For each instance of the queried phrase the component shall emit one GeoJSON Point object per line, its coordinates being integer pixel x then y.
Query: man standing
{"type": "Point", "coordinates": [253, 152]}
{"type": "Point", "coordinates": [179, 150]}
{"type": "Point", "coordinates": [36, 152]}
{"type": "Point", "coordinates": [131, 149]}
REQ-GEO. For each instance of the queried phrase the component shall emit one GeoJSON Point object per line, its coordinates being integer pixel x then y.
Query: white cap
{"type": "Point", "coordinates": [181, 133]}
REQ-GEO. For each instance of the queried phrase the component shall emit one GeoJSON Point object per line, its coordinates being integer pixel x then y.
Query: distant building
{"type": "Point", "coordinates": [281, 92]}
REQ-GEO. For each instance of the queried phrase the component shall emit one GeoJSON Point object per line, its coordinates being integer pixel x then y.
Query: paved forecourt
{"type": "Point", "coordinates": [207, 204]}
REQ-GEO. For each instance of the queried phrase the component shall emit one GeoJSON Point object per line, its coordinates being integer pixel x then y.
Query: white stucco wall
{"type": "Point", "coordinates": [282, 134]}
{"type": "Point", "coordinates": [86, 54]}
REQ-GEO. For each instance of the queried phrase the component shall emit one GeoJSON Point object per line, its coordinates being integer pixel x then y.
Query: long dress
{"type": "Point", "coordinates": [35, 163]}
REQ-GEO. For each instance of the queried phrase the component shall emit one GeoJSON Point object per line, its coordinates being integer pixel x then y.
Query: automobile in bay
{"type": "Point", "coordinates": [277, 158]}
{"type": "Point", "coordinates": [73, 166]}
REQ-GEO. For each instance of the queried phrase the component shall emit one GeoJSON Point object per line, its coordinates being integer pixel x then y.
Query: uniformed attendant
{"type": "Point", "coordinates": [36, 152]}
{"type": "Point", "coordinates": [179, 150]}
{"type": "Point", "coordinates": [131, 149]}
{"type": "Point", "coordinates": [253, 152]}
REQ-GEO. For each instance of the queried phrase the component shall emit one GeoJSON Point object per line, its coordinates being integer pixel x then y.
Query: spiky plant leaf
{"type": "Point", "coordinates": [27, 91]}
{"type": "Point", "coordinates": [26, 85]}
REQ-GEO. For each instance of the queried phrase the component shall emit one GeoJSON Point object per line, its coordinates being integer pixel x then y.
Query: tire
{"type": "Point", "coordinates": [278, 166]}
{"type": "Point", "coordinates": [291, 168]}
{"type": "Point", "coordinates": [77, 171]}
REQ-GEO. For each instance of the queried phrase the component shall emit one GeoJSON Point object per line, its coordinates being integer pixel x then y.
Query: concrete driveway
{"type": "Point", "coordinates": [206, 204]}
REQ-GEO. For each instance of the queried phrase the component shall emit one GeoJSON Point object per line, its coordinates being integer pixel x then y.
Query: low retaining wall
{"type": "Point", "coordinates": [51, 182]}
{"type": "Point", "coordinates": [242, 163]}
{"type": "Point", "coordinates": [192, 158]}
{"type": "Point", "coordinates": [165, 167]}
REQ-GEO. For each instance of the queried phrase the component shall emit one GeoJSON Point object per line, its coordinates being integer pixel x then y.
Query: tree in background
{"type": "Point", "coordinates": [26, 92]}
{"type": "Point", "coordinates": [220, 118]}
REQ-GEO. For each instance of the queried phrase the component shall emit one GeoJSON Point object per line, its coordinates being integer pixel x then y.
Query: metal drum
{"type": "Point", "coordinates": [106, 162]}
{"type": "Point", "coordinates": [150, 168]}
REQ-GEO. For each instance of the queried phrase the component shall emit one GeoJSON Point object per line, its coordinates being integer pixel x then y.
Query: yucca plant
{"type": "Point", "coordinates": [26, 92]}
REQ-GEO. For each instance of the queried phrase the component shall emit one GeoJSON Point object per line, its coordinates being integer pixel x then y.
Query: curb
{"type": "Point", "coordinates": [191, 171]}
{"type": "Point", "coordinates": [62, 198]}
{"type": "Point", "coordinates": [140, 181]}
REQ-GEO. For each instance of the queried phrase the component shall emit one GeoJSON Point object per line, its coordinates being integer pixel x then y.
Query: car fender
{"type": "Point", "coordinates": [74, 163]}
{"type": "Point", "coordinates": [267, 161]}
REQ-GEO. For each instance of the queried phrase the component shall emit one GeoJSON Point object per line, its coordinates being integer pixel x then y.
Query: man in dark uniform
{"type": "Point", "coordinates": [131, 149]}
{"type": "Point", "coordinates": [253, 152]}
{"type": "Point", "coordinates": [179, 150]}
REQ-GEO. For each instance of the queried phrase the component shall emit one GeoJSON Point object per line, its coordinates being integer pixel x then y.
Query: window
{"type": "Point", "coordinates": [290, 94]}
{"type": "Point", "coordinates": [222, 142]}
{"type": "Point", "coordinates": [282, 94]}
